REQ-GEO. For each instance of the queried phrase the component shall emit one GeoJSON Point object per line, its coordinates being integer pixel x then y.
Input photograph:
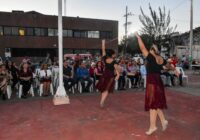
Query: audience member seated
{"type": "Point", "coordinates": [92, 73]}
{"type": "Point", "coordinates": [170, 73]}
{"type": "Point", "coordinates": [99, 70]}
{"type": "Point", "coordinates": [68, 75]}
{"type": "Point", "coordinates": [75, 68]}
{"type": "Point", "coordinates": [174, 60]}
{"type": "Point", "coordinates": [122, 78]}
{"type": "Point", "coordinates": [4, 80]}
{"type": "Point", "coordinates": [14, 71]}
{"type": "Point", "coordinates": [25, 76]}
{"type": "Point", "coordinates": [83, 75]}
{"type": "Point", "coordinates": [45, 79]}
{"type": "Point", "coordinates": [132, 73]}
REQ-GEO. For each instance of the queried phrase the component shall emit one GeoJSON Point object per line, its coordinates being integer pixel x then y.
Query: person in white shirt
{"type": "Point", "coordinates": [45, 79]}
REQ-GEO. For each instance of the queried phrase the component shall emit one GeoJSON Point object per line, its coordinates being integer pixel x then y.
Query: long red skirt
{"type": "Point", "coordinates": [155, 93]}
{"type": "Point", "coordinates": [106, 82]}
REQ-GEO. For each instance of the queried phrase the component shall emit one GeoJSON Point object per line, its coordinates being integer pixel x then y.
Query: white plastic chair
{"type": "Point", "coordinates": [72, 89]}
{"type": "Point", "coordinates": [55, 77]}
{"type": "Point", "coordinates": [80, 89]}
{"type": "Point", "coordinates": [128, 81]}
{"type": "Point", "coordinates": [31, 91]}
{"type": "Point", "coordinates": [9, 91]}
{"type": "Point", "coordinates": [41, 89]}
{"type": "Point", "coordinates": [144, 78]}
{"type": "Point", "coordinates": [184, 76]}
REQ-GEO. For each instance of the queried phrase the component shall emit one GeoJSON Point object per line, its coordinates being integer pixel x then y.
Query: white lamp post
{"type": "Point", "coordinates": [60, 96]}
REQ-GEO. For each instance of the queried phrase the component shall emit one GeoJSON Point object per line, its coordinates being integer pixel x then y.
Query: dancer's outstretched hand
{"type": "Point", "coordinates": [137, 35]}
{"type": "Point", "coordinates": [103, 43]}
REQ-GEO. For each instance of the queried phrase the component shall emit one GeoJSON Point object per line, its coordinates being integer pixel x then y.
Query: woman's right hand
{"type": "Point", "coordinates": [137, 35]}
{"type": "Point", "coordinates": [103, 43]}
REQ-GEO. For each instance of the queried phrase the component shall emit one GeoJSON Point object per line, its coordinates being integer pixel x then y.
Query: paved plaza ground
{"type": "Point", "coordinates": [124, 117]}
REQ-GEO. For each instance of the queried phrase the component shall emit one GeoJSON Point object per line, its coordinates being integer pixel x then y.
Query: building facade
{"type": "Point", "coordinates": [182, 42]}
{"type": "Point", "coordinates": [34, 34]}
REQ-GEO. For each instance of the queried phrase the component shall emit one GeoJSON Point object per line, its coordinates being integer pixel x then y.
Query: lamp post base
{"type": "Point", "coordinates": [57, 100]}
{"type": "Point", "coordinates": [61, 97]}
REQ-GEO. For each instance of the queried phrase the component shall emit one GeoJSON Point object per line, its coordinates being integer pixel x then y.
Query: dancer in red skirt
{"type": "Point", "coordinates": [155, 100]}
{"type": "Point", "coordinates": [107, 81]}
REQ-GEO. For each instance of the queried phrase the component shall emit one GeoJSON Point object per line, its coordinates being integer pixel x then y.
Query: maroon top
{"type": "Point", "coordinates": [26, 74]}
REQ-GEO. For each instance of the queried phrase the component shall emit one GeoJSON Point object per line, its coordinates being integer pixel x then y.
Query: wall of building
{"type": "Point", "coordinates": [79, 27]}
{"type": "Point", "coordinates": [183, 50]}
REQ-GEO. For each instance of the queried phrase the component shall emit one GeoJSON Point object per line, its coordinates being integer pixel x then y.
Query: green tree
{"type": "Point", "coordinates": [157, 25]}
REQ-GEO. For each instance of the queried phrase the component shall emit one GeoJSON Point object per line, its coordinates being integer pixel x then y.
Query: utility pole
{"type": "Point", "coordinates": [126, 28]}
{"type": "Point", "coordinates": [65, 9]}
{"type": "Point", "coordinates": [60, 97]}
{"type": "Point", "coordinates": [191, 31]}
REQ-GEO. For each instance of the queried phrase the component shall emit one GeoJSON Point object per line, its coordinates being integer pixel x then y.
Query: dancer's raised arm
{"type": "Point", "coordinates": [103, 47]}
{"type": "Point", "coordinates": [142, 46]}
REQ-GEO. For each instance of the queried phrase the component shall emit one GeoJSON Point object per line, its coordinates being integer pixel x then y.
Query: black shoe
{"type": "Point", "coordinates": [3, 97]}
{"type": "Point", "coordinates": [24, 97]}
{"type": "Point", "coordinates": [45, 95]}
{"type": "Point", "coordinates": [86, 90]}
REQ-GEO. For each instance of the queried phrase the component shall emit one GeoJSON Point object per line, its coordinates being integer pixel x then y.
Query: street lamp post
{"type": "Point", "coordinates": [65, 8]}
{"type": "Point", "coordinates": [191, 31]}
{"type": "Point", "coordinates": [60, 96]}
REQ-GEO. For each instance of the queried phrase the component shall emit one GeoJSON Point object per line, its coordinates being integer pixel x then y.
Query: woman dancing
{"type": "Point", "coordinates": [155, 100]}
{"type": "Point", "coordinates": [107, 80]}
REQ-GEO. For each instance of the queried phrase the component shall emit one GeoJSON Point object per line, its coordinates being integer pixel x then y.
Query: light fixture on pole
{"type": "Point", "coordinates": [60, 96]}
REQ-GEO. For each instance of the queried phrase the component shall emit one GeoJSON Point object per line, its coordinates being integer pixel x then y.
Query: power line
{"type": "Point", "coordinates": [177, 6]}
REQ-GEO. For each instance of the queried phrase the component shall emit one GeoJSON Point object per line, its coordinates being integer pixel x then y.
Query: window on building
{"type": "Point", "coordinates": [7, 30]}
{"type": "Point", "coordinates": [15, 31]}
{"type": "Point", "coordinates": [93, 34]}
{"type": "Point", "coordinates": [77, 34]}
{"type": "Point", "coordinates": [68, 51]}
{"type": "Point", "coordinates": [1, 30]}
{"type": "Point", "coordinates": [43, 32]}
{"type": "Point", "coordinates": [67, 33]}
{"type": "Point", "coordinates": [21, 31]}
{"type": "Point", "coordinates": [84, 34]}
{"type": "Point", "coordinates": [37, 31]}
{"type": "Point", "coordinates": [56, 32]}
{"type": "Point", "coordinates": [105, 34]}
{"type": "Point", "coordinates": [51, 32]}
{"type": "Point", "coordinates": [29, 31]}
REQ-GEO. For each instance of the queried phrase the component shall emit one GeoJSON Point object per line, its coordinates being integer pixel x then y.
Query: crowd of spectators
{"type": "Point", "coordinates": [79, 71]}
